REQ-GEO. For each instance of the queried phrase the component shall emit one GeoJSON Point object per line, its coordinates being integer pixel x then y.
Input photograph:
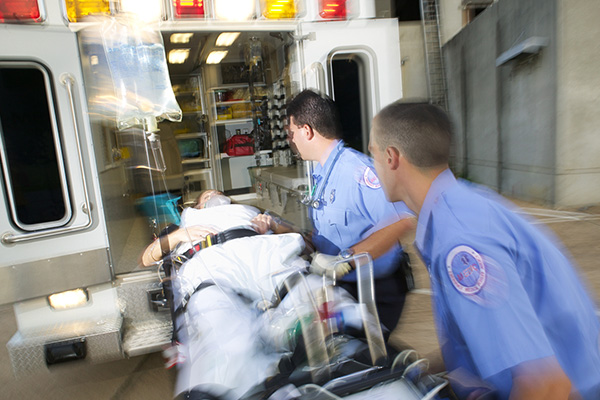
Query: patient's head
{"type": "Point", "coordinates": [211, 198]}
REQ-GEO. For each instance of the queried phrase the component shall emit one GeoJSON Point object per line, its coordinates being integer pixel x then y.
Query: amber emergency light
{"type": "Point", "coordinates": [279, 9]}
{"type": "Point", "coordinates": [79, 9]}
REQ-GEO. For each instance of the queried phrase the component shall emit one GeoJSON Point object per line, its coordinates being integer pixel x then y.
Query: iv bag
{"type": "Point", "coordinates": [135, 56]}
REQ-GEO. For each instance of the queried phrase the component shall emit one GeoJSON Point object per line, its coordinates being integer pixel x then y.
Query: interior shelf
{"type": "Point", "coordinates": [233, 121]}
{"type": "Point", "coordinates": [195, 160]}
{"type": "Point", "coordinates": [194, 135]}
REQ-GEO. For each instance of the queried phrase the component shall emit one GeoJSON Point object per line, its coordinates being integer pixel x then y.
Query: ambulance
{"type": "Point", "coordinates": [116, 114]}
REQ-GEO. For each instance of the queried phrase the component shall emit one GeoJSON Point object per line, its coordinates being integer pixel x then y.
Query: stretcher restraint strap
{"type": "Point", "coordinates": [218, 238]}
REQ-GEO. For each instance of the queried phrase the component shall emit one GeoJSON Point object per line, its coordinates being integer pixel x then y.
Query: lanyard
{"type": "Point", "coordinates": [315, 200]}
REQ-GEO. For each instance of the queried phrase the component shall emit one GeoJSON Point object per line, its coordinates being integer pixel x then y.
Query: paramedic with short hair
{"type": "Point", "coordinates": [347, 205]}
{"type": "Point", "coordinates": [512, 317]}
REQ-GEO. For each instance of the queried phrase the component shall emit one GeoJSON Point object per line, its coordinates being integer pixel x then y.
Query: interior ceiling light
{"type": "Point", "coordinates": [181, 37]}
{"type": "Point", "coordinates": [235, 10]}
{"type": "Point", "coordinates": [226, 39]}
{"type": "Point", "coordinates": [147, 10]}
{"type": "Point", "coordinates": [215, 57]}
{"type": "Point", "coordinates": [178, 56]}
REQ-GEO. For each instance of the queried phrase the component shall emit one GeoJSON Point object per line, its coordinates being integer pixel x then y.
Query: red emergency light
{"type": "Point", "coordinates": [332, 9]}
{"type": "Point", "coordinates": [21, 11]}
{"type": "Point", "coordinates": [189, 8]}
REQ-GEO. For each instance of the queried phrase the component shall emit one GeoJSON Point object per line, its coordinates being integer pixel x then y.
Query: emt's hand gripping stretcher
{"type": "Point", "coordinates": [251, 323]}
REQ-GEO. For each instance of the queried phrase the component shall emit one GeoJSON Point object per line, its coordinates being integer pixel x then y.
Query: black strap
{"type": "Point", "coordinates": [182, 307]}
{"type": "Point", "coordinates": [219, 238]}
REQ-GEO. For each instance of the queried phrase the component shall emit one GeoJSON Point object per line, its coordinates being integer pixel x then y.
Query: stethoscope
{"type": "Point", "coordinates": [312, 200]}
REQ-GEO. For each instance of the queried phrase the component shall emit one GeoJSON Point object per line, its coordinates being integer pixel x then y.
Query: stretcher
{"type": "Point", "coordinates": [250, 323]}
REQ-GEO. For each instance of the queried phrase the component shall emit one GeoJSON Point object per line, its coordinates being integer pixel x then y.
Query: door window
{"type": "Point", "coordinates": [32, 164]}
{"type": "Point", "coordinates": [352, 97]}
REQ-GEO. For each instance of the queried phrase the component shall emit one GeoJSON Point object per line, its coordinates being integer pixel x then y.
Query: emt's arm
{"type": "Point", "coordinates": [381, 241]}
{"type": "Point", "coordinates": [166, 243]}
{"type": "Point", "coordinates": [540, 379]}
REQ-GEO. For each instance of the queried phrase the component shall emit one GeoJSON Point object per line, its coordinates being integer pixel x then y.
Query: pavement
{"type": "Point", "coordinates": [144, 377]}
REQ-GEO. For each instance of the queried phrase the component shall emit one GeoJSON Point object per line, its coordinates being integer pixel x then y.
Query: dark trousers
{"type": "Point", "coordinates": [390, 294]}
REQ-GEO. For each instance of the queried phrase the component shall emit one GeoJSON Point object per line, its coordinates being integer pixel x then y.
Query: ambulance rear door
{"type": "Point", "coordinates": [53, 235]}
{"type": "Point", "coordinates": [357, 63]}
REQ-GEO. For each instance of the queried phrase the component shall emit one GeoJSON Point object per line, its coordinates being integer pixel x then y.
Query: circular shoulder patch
{"type": "Point", "coordinates": [466, 269]}
{"type": "Point", "coordinates": [371, 180]}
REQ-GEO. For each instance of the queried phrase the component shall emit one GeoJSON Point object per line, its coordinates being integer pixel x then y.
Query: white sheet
{"type": "Point", "coordinates": [220, 218]}
{"type": "Point", "coordinates": [223, 344]}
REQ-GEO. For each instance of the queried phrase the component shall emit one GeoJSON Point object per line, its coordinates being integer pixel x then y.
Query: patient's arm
{"type": "Point", "coordinates": [166, 243]}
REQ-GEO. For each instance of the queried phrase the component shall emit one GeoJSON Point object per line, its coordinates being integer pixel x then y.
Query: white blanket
{"type": "Point", "coordinates": [223, 346]}
{"type": "Point", "coordinates": [219, 218]}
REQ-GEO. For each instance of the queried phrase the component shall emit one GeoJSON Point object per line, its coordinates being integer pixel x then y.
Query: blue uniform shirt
{"type": "Point", "coordinates": [503, 292]}
{"type": "Point", "coordinates": [352, 206]}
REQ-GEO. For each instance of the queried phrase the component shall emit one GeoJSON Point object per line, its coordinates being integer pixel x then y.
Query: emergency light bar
{"type": "Point", "coordinates": [20, 11]}
{"type": "Point", "coordinates": [224, 10]}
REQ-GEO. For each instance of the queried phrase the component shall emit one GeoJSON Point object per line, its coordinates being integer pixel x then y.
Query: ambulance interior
{"type": "Point", "coordinates": [146, 183]}
{"type": "Point", "coordinates": [231, 135]}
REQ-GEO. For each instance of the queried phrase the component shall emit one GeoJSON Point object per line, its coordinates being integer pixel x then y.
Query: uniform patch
{"type": "Point", "coordinates": [466, 269]}
{"type": "Point", "coordinates": [371, 180]}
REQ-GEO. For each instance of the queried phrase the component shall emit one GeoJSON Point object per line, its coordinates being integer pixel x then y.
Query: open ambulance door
{"type": "Point", "coordinates": [356, 63]}
{"type": "Point", "coordinates": [52, 235]}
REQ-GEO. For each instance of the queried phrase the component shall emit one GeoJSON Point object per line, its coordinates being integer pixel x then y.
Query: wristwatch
{"type": "Point", "coordinates": [346, 253]}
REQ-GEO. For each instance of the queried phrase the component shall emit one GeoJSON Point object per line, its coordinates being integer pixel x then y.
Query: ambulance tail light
{"type": "Point", "coordinates": [20, 11]}
{"type": "Point", "coordinates": [279, 9]}
{"type": "Point", "coordinates": [188, 8]}
{"type": "Point", "coordinates": [332, 9]}
{"type": "Point", "coordinates": [79, 9]}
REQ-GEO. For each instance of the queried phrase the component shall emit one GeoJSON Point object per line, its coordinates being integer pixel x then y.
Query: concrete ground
{"type": "Point", "coordinates": [144, 377]}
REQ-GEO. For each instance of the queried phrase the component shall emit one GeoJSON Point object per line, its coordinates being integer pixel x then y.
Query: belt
{"type": "Point", "coordinates": [218, 238]}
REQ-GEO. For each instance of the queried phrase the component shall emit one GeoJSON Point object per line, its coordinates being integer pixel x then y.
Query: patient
{"type": "Point", "coordinates": [199, 221]}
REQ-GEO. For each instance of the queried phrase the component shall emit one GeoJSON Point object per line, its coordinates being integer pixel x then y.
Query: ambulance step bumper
{"type": "Point", "coordinates": [147, 337]}
{"type": "Point", "coordinates": [95, 342]}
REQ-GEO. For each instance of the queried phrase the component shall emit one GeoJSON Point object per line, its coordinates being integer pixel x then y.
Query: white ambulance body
{"type": "Point", "coordinates": [70, 216]}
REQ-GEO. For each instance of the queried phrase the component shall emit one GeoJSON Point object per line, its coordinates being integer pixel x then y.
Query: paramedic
{"type": "Point", "coordinates": [510, 310]}
{"type": "Point", "coordinates": [172, 235]}
{"type": "Point", "coordinates": [347, 205]}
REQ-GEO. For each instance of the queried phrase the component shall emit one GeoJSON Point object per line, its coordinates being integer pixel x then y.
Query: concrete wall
{"type": "Point", "coordinates": [412, 54]}
{"type": "Point", "coordinates": [578, 102]}
{"type": "Point", "coordinates": [505, 117]}
{"type": "Point", "coordinates": [451, 18]}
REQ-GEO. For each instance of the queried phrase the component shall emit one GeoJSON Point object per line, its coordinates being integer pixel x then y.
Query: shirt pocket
{"type": "Point", "coordinates": [338, 225]}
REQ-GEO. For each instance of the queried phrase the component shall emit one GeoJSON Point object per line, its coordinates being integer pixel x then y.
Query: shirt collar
{"type": "Point", "coordinates": [334, 148]}
{"type": "Point", "coordinates": [442, 182]}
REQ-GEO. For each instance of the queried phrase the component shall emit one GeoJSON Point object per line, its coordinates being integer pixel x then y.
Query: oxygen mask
{"type": "Point", "coordinates": [217, 200]}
